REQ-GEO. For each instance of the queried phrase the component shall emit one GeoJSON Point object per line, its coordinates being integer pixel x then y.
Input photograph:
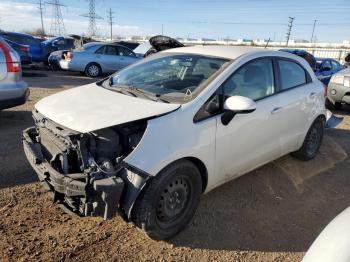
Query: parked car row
{"type": "Point", "coordinates": [99, 58]}
{"type": "Point", "coordinates": [96, 58]}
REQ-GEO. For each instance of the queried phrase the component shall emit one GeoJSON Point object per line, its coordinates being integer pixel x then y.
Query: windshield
{"type": "Point", "coordinates": [177, 77]}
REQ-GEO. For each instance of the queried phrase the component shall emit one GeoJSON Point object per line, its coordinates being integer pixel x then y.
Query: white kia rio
{"type": "Point", "coordinates": [149, 140]}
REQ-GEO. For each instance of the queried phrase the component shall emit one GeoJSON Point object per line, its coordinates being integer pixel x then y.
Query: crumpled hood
{"type": "Point", "coordinates": [91, 107]}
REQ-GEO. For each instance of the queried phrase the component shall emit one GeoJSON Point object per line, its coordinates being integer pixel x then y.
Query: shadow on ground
{"type": "Point", "coordinates": [14, 167]}
{"type": "Point", "coordinates": [279, 207]}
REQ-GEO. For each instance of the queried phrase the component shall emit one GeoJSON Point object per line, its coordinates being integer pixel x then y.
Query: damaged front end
{"type": "Point", "coordinates": [86, 172]}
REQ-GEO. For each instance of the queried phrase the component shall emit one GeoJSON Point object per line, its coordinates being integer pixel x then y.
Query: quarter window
{"type": "Point", "coordinates": [291, 74]}
{"type": "Point", "coordinates": [254, 80]}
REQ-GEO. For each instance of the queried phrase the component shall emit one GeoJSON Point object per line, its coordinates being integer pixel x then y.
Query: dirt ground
{"type": "Point", "coordinates": [271, 214]}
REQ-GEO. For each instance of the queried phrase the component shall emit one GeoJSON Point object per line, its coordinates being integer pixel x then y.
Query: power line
{"type": "Point", "coordinates": [40, 7]}
{"type": "Point", "coordinates": [92, 29]}
{"type": "Point", "coordinates": [57, 24]}
{"type": "Point", "coordinates": [110, 21]}
{"type": "Point", "coordinates": [290, 25]}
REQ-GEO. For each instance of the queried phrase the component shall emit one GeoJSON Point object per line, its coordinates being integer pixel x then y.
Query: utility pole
{"type": "Point", "coordinates": [290, 25]}
{"type": "Point", "coordinates": [41, 7]}
{"type": "Point", "coordinates": [110, 21]}
{"type": "Point", "coordinates": [313, 31]}
{"type": "Point", "coordinates": [57, 26]}
{"type": "Point", "coordinates": [92, 18]}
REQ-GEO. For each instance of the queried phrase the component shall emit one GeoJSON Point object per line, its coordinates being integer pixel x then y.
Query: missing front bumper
{"type": "Point", "coordinates": [77, 192]}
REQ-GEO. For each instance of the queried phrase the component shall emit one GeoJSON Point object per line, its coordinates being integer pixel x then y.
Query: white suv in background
{"type": "Point", "coordinates": [13, 90]}
{"type": "Point", "coordinates": [149, 140]}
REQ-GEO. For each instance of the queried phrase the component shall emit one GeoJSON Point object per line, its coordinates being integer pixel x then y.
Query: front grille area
{"type": "Point", "coordinates": [58, 152]}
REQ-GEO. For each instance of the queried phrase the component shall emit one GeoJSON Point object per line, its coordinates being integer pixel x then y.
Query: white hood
{"type": "Point", "coordinates": [91, 107]}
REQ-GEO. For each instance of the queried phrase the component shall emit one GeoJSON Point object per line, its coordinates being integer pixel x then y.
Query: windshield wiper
{"type": "Point", "coordinates": [137, 92]}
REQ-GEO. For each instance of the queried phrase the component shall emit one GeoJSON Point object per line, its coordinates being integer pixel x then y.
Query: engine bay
{"type": "Point", "coordinates": [100, 151]}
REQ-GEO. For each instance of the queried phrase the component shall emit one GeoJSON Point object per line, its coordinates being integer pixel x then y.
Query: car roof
{"type": "Point", "coordinates": [229, 52]}
{"type": "Point", "coordinates": [15, 33]}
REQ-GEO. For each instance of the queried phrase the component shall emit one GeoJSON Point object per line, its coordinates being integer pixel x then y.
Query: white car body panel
{"type": "Point", "coordinates": [91, 107]}
{"type": "Point", "coordinates": [249, 141]}
{"type": "Point", "coordinates": [164, 142]}
{"type": "Point", "coordinates": [333, 244]}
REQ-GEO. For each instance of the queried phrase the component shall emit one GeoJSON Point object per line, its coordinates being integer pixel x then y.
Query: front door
{"type": "Point", "coordinates": [252, 139]}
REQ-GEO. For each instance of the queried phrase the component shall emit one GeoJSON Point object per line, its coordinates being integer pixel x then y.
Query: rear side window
{"type": "Point", "coordinates": [291, 74]}
{"type": "Point", "coordinates": [125, 52]}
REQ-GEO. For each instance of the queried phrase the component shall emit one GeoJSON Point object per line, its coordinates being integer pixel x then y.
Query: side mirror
{"type": "Point", "coordinates": [237, 105]}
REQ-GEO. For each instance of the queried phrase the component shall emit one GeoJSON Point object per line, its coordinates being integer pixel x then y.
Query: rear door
{"type": "Point", "coordinates": [108, 58]}
{"type": "Point", "coordinates": [252, 139]}
{"type": "Point", "coordinates": [126, 57]}
{"type": "Point", "coordinates": [297, 95]}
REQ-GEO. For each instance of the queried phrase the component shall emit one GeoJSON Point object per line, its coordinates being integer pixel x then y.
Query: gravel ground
{"type": "Point", "coordinates": [271, 214]}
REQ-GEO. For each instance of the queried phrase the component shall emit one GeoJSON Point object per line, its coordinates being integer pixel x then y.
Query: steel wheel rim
{"type": "Point", "coordinates": [174, 200]}
{"type": "Point", "coordinates": [313, 142]}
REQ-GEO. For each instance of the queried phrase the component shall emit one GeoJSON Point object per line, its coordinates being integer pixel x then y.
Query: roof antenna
{"type": "Point", "coordinates": [268, 41]}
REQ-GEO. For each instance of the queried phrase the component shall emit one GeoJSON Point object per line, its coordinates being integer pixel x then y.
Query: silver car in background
{"type": "Point", "coordinates": [95, 59]}
{"type": "Point", "coordinates": [13, 90]}
{"type": "Point", "coordinates": [338, 91]}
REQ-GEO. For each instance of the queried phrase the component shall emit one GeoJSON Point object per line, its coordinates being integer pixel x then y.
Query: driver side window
{"type": "Point", "coordinates": [254, 80]}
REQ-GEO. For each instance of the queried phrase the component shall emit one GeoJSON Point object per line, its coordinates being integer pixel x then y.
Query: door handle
{"type": "Point", "coordinates": [276, 110]}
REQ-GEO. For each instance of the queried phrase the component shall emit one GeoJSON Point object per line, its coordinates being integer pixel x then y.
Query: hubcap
{"type": "Point", "coordinates": [173, 200]}
{"type": "Point", "coordinates": [93, 70]}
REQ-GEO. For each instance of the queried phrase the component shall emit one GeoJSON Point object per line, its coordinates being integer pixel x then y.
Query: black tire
{"type": "Point", "coordinates": [312, 141]}
{"type": "Point", "coordinates": [93, 70]}
{"type": "Point", "coordinates": [337, 105]}
{"type": "Point", "coordinates": [169, 202]}
{"type": "Point", "coordinates": [331, 105]}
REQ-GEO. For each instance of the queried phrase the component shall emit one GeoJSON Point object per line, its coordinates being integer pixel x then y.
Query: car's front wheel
{"type": "Point", "coordinates": [169, 202]}
{"type": "Point", "coordinates": [312, 142]}
{"type": "Point", "coordinates": [93, 70]}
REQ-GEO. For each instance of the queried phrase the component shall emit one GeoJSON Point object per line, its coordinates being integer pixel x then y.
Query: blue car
{"type": "Point", "coordinates": [23, 52]}
{"type": "Point", "coordinates": [36, 49]}
{"type": "Point", "coordinates": [324, 68]}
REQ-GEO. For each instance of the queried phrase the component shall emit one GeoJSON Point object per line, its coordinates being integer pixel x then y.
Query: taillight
{"type": "Point", "coordinates": [12, 66]}
{"type": "Point", "coordinates": [24, 49]}
{"type": "Point", "coordinates": [69, 55]}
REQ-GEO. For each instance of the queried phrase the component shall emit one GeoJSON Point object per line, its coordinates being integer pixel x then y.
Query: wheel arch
{"type": "Point", "coordinates": [202, 170]}
{"type": "Point", "coordinates": [93, 62]}
{"type": "Point", "coordinates": [143, 186]}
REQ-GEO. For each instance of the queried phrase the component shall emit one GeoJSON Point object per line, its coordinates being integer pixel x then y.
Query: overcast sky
{"type": "Point", "coordinates": [194, 18]}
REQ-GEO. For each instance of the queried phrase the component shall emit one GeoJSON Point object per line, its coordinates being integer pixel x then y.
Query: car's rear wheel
{"type": "Point", "coordinates": [312, 142]}
{"type": "Point", "coordinates": [93, 70]}
{"type": "Point", "coordinates": [169, 202]}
